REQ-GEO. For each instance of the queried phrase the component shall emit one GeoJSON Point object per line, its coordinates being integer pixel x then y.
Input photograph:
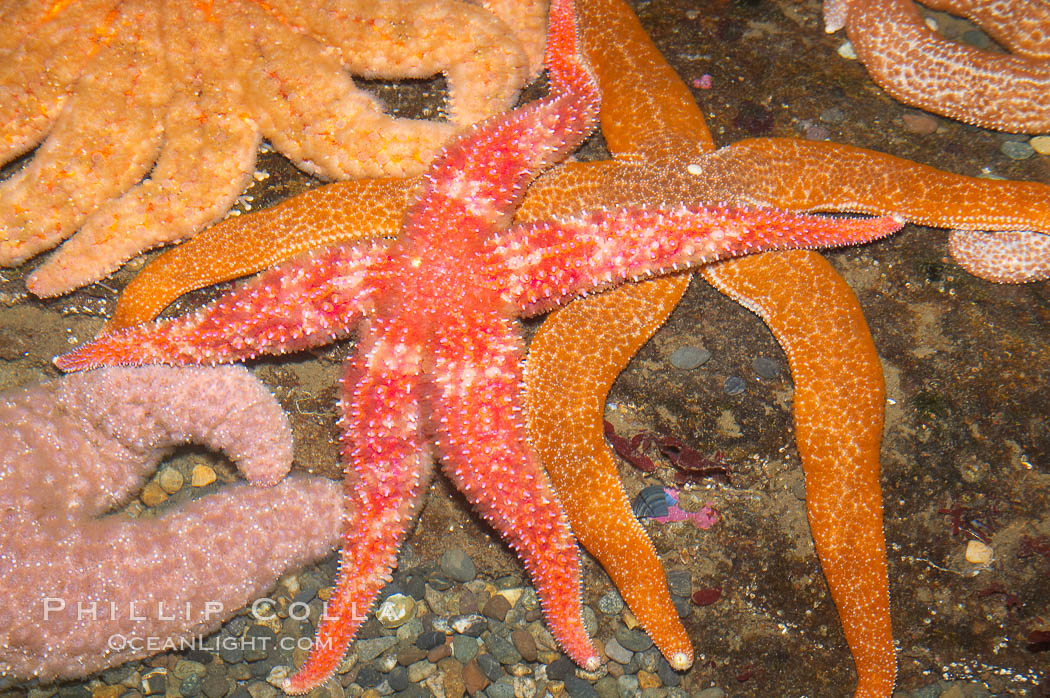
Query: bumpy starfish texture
{"type": "Point", "coordinates": [76, 448]}
{"type": "Point", "coordinates": [439, 354]}
{"type": "Point", "coordinates": [1005, 258]}
{"type": "Point", "coordinates": [579, 351]}
{"type": "Point", "coordinates": [1007, 92]}
{"type": "Point", "coordinates": [181, 92]}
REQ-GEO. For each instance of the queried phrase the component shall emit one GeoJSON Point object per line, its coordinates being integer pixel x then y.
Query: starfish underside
{"type": "Point", "coordinates": [151, 113]}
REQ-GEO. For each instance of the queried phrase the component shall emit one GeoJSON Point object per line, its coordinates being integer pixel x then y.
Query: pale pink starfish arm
{"type": "Point", "coordinates": [114, 117]}
{"type": "Point", "coordinates": [550, 263]}
{"type": "Point", "coordinates": [77, 448]}
{"type": "Point", "coordinates": [387, 473]}
{"type": "Point", "coordinates": [206, 162]}
{"type": "Point", "coordinates": [1006, 258]}
{"type": "Point", "coordinates": [39, 61]}
{"type": "Point", "coordinates": [481, 436]}
{"type": "Point", "coordinates": [915, 65]}
{"type": "Point", "coordinates": [306, 302]}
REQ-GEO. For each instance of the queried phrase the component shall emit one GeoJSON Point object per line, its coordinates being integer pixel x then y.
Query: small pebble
{"type": "Point", "coordinates": [689, 357]}
{"type": "Point", "coordinates": [817, 132]}
{"type": "Point", "coordinates": [410, 655]}
{"type": "Point", "coordinates": [560, 669]}
{"type": "Point", "coordinates": [607, 688]}
{"type": "Point", "coordinates": [978, 553]}
{"type": "Point", "coordinates": [617, 652]}
{"type": "Point", "coordinates": [458, 565]}
{"type": "Point", "coordinates": [474, 679]}
{"type": "Point", "coordinates": [202, 475]}
{"type": "Point", "coordinates": [490, 666]}
{"type": "Point", "coordinates": [397, 610]}
{"type": "Point", "coordinates": [524, 643]}
{"type": "Point", "coordinates": [440, 652]}
{"type": "Point", "coordinates": [497, 608]}
{"type": "Point", "coordinates": [501, 649]}
{"type": "Point", "coordinates": [766, 367]}
{"type": "Point", "coordinates": [398, 678]}
{"type": "Point", "coordinates": [1040, 144]}
{"type": "Point", "coordinates": [628, 685]}
{"type": "Point", "coordinates": [668, 676]}
{"type": "Point", "coordinates": [1017, 150]}
{"type": "Point", "coordinates": [512, 595]}
{"type": "Point", "coordinates": [634, 640]}
{"type": "Point", "coordinates": [420, 671]}
{"type": "Point", "coordinates": [368, 677]}
{"type": "Point", "coordinates": [170, 480]}
{"type": "Point", "coordinates": [429, 640]}
{"type": "Point", "coordinates": [504, 688]}
{"type": "Point", "coordinates": [611, 604]}
{"type": "Point", "coordinates": [367, 650]}
{"type": "Point", "coordinates": [919, 123]}
{"type": "Point", "coordinates": [847, 52]}
{"type": "Point", "coordinates": [464, 648]}
{"type": "Point", "coordinates": [153, 494]}
{"type": "Point", "coordinates": [647, 679]}
{"type": "Point", "coordinates": [472, 625]}
{"type": "Point", "coordinates": [578, 688]}
{"type": "Point", "coordinates": [734, 385]}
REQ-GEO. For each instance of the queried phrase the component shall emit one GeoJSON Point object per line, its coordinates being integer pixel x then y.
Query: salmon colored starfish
{"type": "Point", "coordinates": [580, 350]}
{"type": "Point", "coordinates": [440, 359]}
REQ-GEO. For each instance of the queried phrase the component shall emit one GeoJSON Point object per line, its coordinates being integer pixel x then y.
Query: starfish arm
{"type": "Point", "coordinates": [93, 439]}
{"type": "Point", "coordinates": [114, 115]}
{"type": "Point", "coordinates": [1019, 25]}
{"type": "Point", "coordinates": [483, 176]}
{"type": "Point", "coordinates": [1005, 92]}
{"type": "Point", "coordinates": [242, 245]}
{"type": "Point", "coordinates": [550, 263]}
{"type": "Point", "coordinates": [477, 380]}
{"type": "Point", "coordinates": [638, 85]}
{"type": "Point", "coordinates": [1004, 258]}
{"type": "Point", "coordinates": [206, 162]}
{"type": "Point", "coordinates": [39, 61]}
{"type": "Point", "coordinates": [161, 406]}
{"type": "Point", "coordinates": [306, 302]}
{"type": "Point", "coordinates": [386, 477]}
{"type": "Point", "coordinates": [484, 66]}
{"type": "Point", "coordinates": [528, 21]}
{"type": "Point", "coordinates": [597, 339]}
{"type": "Point", "coordinates": [838, 410]}
{"type": "Point", "coordinates": [846, 178]}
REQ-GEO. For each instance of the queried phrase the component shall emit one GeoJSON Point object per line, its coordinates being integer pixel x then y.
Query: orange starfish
{"type": "Point", "coordinates": [580, 350]}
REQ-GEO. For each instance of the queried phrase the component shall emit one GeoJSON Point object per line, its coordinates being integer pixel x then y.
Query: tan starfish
{"type": "Point", "coordinates": [151, 113]}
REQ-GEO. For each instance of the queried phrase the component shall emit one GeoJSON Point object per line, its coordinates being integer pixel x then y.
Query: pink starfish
{"type": "Point", "coordinates": [440, 358]}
